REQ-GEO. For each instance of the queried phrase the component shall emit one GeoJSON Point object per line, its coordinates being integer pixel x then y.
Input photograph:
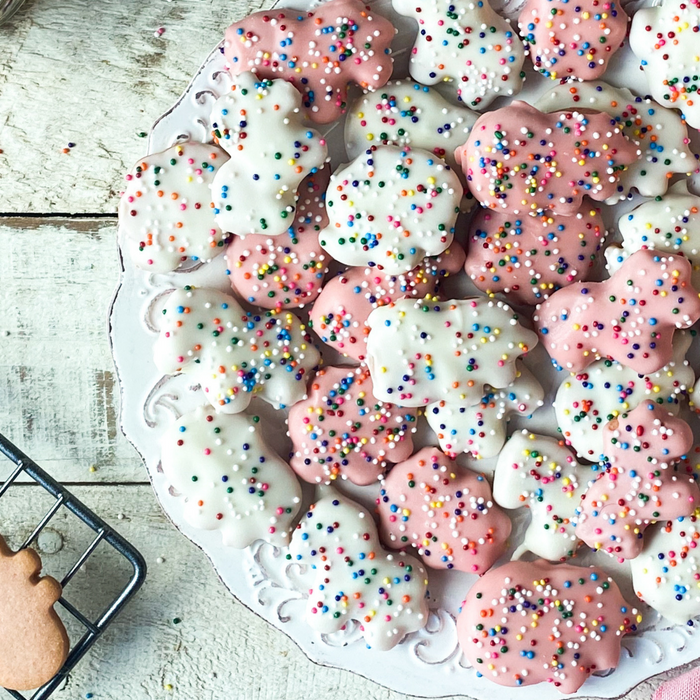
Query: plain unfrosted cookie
{"type": "Point", "coordinates": [355, 577]}
{"type": "Point", "coordinates": [260, 125]}
{"type": "Point", "coordinates": [659, 133]}
{"type": "Point", "coordinates": [35, 644]}
{"type": "Point", "coordinates": [391, 207]}
{"type": "Point", "coordinates": [533, 622]}
{"type": "Point", "coordinates": [341, 431]}
{"type": "Point", "coordinates": [481, 429]}
{"type": "Point", "coordinates": [664, 39]}
{"type": "Point", "coordinates": [230, 479]}
{"type": "Point", "coordinates": [234, 354]}
{"type": "Point", "coordinates": [421, 352]}
{"type": "Point", "coordinates": [287, 271]}
{"type": "Point", "coordinates": [588, 400]}
{"type": "Point", "coordinates": [166, 214]}
{"type": "Point", "coordinates": [631, 317]}
{"type": "Point", "coordinates": [339, 315]}
{"type": "Point", "coordinates": [519, 160]}
{"type": "Point", "coordinates": [668, 224]}
{"type": "Point", "coordinates": [466, 43]}
{"type": "Point", "coordinates": [445, 512]}
{"type": "Point", "coordinates": [572, 40]}
{"type": "Point", "coordinates": [320, 52]}
{"type": "Point", "coordinates": [540, 473]}
{"type": "Point", "coordinates": [529, 257]}
{"type": "Point", "coordinates": [640, 484]}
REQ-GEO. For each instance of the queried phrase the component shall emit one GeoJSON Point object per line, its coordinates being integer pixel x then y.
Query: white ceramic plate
{"type": "Point", "coordinates": [429, 662]}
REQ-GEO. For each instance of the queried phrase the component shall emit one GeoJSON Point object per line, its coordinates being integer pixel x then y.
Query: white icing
{"type": "Point", "coordinates": [455, 43]}
{"type": "Point", "coordinates": [421, 352]}
{"type": "Point", "coordinates": [355, 577]}
{"type": "Point", "coordinates": [392, 207]}
{"type": "Point", "coordinates": [585, 402]}
{"type": "Point", "coordinates": [481, 429]}
{"type": "Point", "coordinates": [235, 354]}
{"type": "Point", "coordinates": [552, 496]}
{"type": "Point", "coordinates": [230, 479]}
{"type": "Point", "coordinates": [659, 133]}
{"type": "Point", "coordinates": [261, 127]}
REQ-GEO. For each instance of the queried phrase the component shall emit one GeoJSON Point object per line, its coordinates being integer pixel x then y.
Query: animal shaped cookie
{"type": "Point", "coordinates": [287, 271]}
{"type": "Point", "coordinates": [542, 474]}
{"type": "Point", "coordinates": [341, 431]}
{"type": "Point", "coordinates": [445, 512]}
{"type": "Point", "coordinates": [234, 354]}
{"type": "Point", "coordinates": [630, 317]}
{"type": "Point", "coordinates": [663, 39]}
{"type": "Point", "coordinates": [35, 644]}
{"type": "Point", "coordinates": [519, 160]}
{"type": "Point", "coordinates": [666, 575]}
{"type": "Point", "coordinates": [526, 623]}
{"type": "Point", "coordinates": [640, 484]}
{"type": "Point", "coordinates": [391, 207]}
{"type": "Point", "coordinates": [339, 315]}
{"type": "Point", "coordinates": [355, 577]}
{"type": "Point", "coordinates": [166, 214]}
{"type": "Point", "coordinates": [529, 257]}
{"type": "Point", "coordinates": [588, 400]}
{"type": "Point", "coordinates": [260, 125]}
{"type": "Point", "coordinates": [466, 43]}
{"type": "Point", "coordinates": [659, 133]}
{"type": "Point", "coordinates": [319, 52]}
{"type": "Point", "coordinates": [668, 224]}
{"type": "Point", "coordinates": [481, 429]}
{"type": "Point", "coordinates": [422, 352]}
{"type": "Point", "coordinates": [572, 40]}
{"type": "Point", "coordinates": [229, 478]}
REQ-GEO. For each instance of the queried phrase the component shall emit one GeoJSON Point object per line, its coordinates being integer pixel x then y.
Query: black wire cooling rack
{"type": "Point", "coordinates": [26, 467]}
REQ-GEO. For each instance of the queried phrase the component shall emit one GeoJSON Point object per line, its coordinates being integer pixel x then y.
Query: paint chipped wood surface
{"type": "Point", "coordinates": [92, 72]}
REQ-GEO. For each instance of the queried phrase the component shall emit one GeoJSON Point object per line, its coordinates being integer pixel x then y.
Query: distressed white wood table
{"type": "Point", "coordinates": [96, 74]}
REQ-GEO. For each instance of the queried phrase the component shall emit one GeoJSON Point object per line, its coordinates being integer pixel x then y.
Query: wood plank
{"type": "Point", "coordinates": [93, 74]}
{"type": "Point", "coordinates": [58, 388]}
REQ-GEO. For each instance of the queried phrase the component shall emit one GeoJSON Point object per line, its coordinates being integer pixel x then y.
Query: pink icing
{"type": "Point", "coordinates": [447, 513]}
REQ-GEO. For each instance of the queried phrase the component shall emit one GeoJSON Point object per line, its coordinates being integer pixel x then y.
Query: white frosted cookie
{"type": "Point", "coordinates": [665, 41]}
{"type": "Point", "coordinates": [166, 215]}
{"type": "Point", "coordinates": [670, 224]}
{"type": "Point", "coordinates": [422, 352]}
{"type": "Point", "coordinates": [234, 354]}
{"type": "Point", "coordinates": [260, 125]}
{"type": "Point", "coordinates": [467, 43]}
{"type": "Point", "coordinates": [542, 474]}
{"type": "Point", "coordinates": [586, 401]}
{"type": "Point", "coordinates": [481, 429]}
{"type": "Point", "coordinates": [666, 575]}
{"type": "Point", "coordinates": [230, 479]}
{"type": "Point", "coordinates": [391, 207]}
{"type": "Point", "coordinates": [404, 113]}
{"type": "Point", "coordinates": [659, 133]}
{"type": "Point", "coordinates": [355, 577]}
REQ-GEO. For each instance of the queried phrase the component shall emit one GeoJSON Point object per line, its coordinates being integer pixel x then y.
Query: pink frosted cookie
{"type": "Point", "coordinates": [640, 484]}
{"type": "Point", "coordinates": [340, 313]}
{"type": "Point", "coordinates": [445, 512]}
{"type": "Point", "coordinates": [572, 39]}
{"type": "Point", "coordinates": [530, 257]}
{"type": "Point", "coordinates": [341, 431]}
{"type": "Point", "coordinates": [355, 578]}
{"type": "Point", "coordinates": [522, 161]}
{"type": "Point", "coordinates": [166, 214]}
{"type": "Point", "coordinates": [533, 622]}
{"type": "Point", "coordinates": [319, 52]}
{"type": "Point", "coordinates": [287, 271]}
{"type": "Point", "coordinates": [630, 317]}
